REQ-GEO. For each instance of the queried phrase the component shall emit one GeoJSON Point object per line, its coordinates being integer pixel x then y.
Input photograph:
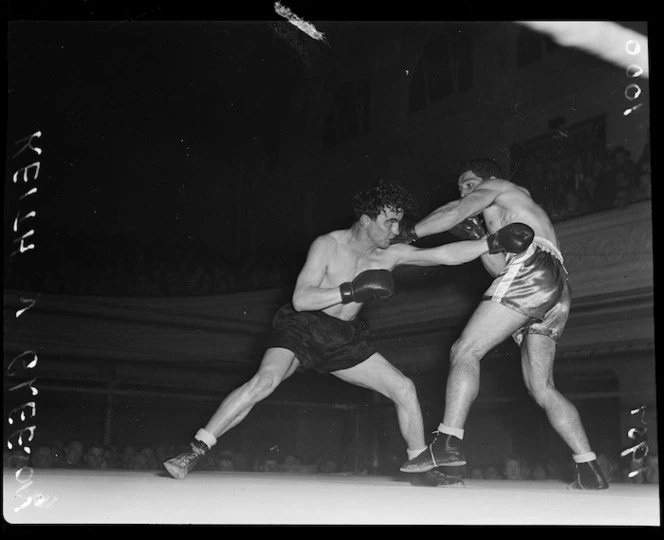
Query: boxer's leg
{"type": "Point", "coordinates": [277, 365]}
{"type": "Point", "coordinates": [490, 325]}
{"type": "Point", "coordinates": [537, 357]}
{"type": "Point", "coordinates": [377, 374]}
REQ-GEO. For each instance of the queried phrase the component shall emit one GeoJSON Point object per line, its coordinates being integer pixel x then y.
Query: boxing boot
{"type": "Point", "coordinates": [589, 476]}
{"type": "Point", "coordinates": [179, 466]}
{"type": "Point", "coordinates": [435, 478]}
{"type": "Point", "coordinates": [444, 450]}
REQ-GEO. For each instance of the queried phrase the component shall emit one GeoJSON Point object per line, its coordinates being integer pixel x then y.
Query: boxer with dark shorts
{"type": "Point", "coordinates": [319, 341]}
{"type": "Point", "coordinates": [529, 300]}
{"type": "Point", "coordinates": [321, 329]}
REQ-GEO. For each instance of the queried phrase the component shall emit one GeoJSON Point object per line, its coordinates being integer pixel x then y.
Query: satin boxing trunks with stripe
{"type": "Point", "coordinates": [536, 284]}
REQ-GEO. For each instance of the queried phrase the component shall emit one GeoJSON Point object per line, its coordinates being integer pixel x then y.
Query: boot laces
{"type": "Point", "coordinates": [189, 457]}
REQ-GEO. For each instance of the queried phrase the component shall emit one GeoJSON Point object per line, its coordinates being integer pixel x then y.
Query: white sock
{"type": "Point", "coordinates": [457, 432]}
{"type": "Point", "coordinates": [206, 437]}
{"type": "Point", "coordinates": [584, 458]}
{"type": "Point", "coordinates": [414, 453]}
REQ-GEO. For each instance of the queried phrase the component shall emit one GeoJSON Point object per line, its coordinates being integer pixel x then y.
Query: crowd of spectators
{"type": "Point", "coordinates": [589, 182]}
{"type": "Point", "coordinates": [74, 454]}
{"type": "Point", "coordinates": [617, 469]}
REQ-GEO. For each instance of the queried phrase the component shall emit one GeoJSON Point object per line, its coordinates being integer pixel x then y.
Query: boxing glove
{"type": "Point", "coordinates": [367, 285]}
{"type": "Point", "coordinates": [469, 229]}
{"type": "Point", "coordinates": [406, 233]}
{"type": "Point", "coordinates": [513, 238]}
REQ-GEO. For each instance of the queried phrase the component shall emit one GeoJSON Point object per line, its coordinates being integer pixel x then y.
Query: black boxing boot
{"type": "Point", "coordinates": [435, 478]}
{"type": "Point", "coordinates": [589, 475]}
{"type": "Point", "coordinates": [179, 466]}
{"type": "Point", "coordinates": [444, 450]}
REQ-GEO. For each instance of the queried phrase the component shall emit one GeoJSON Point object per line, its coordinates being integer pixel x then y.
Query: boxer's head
{"type": "Point", "coordinates": [383, 196]}
{"type": "Point", "coordinates": [473, 172]}
{"type": "Point", "coordinates": [380, 208]}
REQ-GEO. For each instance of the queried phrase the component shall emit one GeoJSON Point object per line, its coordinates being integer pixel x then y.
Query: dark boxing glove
{"type": "Point", "coordinates": [471, 228]}
{"type": "Point", "coordinates": [513, 238]}
{"type": "Point", "coordinates": [406, 234]}
{"type": "Point", "coordinates": [368, 285]}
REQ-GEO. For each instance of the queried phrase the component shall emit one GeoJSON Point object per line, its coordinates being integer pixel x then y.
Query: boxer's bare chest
{"type": "Point", "coordinates": [348, 263]}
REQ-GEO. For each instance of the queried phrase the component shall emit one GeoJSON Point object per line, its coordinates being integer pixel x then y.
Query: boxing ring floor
{"type": "Point", "coordinates": [94, 497]}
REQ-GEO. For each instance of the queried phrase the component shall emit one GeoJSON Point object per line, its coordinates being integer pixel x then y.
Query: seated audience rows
{"type": "Point", "coordinates": [75, 454]}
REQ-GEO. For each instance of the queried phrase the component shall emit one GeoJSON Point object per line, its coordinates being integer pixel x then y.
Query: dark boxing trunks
{"type": "Point", "coordinates": [536, 284]}
{"type": "Point", "coordinates": [320, 342]}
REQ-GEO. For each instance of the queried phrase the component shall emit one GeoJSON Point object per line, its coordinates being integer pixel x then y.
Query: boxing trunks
{"type": "Point", "coordinates": [320, 342]}
{"type": "Point", "coordinates": [536, 284]}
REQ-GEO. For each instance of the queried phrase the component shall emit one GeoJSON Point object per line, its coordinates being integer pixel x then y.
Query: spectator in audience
{"type": "Point", "coordinates": [58, 455]}
{"type": "Point", "coordinates": [643, 164]}
{"type": "Point", "coordinates": [42, 458]}
{"type": "Point", "coordinates": [513, 468]}
{"type": "Point", "coordinates": [328, 466]}
{"type": "Point", "coordinates": [604, 182]}
{"type": "Point", "coordinates": [239, 461]}
{"type": "Point", "coordinates": [290, 464]}
{"type": "Point", "coordinates": [553, 469]}
{"type": "Point", "coordinates": [587, 191]}
{"type": "Point", "coordinates": [94, 457]}
{"type": "Point", "coordinates": [17, 458]}
{"type": "Point", "coordinates": [150, 457]}
{"type": "Point", "coordinates": [643, 189]}
{"type": "Point", "coordinates": [224, 461]}
{"type": "Point", "coordinates": [651, 469]}
{"type": "Point", "coordinates": [491, 473]}
{"type": "Point", "coordinates": [539, 471]}
{"type": "Point", "coordinates": [112, 456]}
{"type": "Point", "coordinates": [622, 163]}
{"type": "Point", "coordinates": [144, 460]}
{"type": "Point", "coordinates": [477, 473]}
{"type": "Point", "coordinates": [267, 465]}
{"type": "Point", "coordinates": [73, 454]}
{"type": "Point", "coordinates": [127, 457]}
{"type": "Point", "coordinates": [625, 189]}
{"type": "Point", "coordinates": [164, 452]}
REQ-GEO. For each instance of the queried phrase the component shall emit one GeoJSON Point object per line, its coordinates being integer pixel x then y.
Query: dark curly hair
{"type": "Point", "coordinates": [482, 167]}
{"type": "Point", "coordinates": [373, 200]}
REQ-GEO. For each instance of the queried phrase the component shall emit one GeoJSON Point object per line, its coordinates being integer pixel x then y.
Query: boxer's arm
{"type": "Point", "coordinates": [447, 216]}
{"type": "Point", "coordinates": [308, 295]}
{"type": "Point", "coordinates": [452, 254]}
{"type": "Point", "coordinates": [493, 263]}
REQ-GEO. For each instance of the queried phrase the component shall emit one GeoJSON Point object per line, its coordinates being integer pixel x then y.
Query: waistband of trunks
{"type": "Point", "coordinates": [544, 245]}
{"type": "Point", "coordinates": [548, 246]}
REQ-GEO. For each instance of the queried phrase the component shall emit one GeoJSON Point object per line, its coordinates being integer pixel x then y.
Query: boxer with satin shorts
{"type": "Point", "coordinates": [529, 300]}
{"type": "Point", "coordinates": [536, 284]}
